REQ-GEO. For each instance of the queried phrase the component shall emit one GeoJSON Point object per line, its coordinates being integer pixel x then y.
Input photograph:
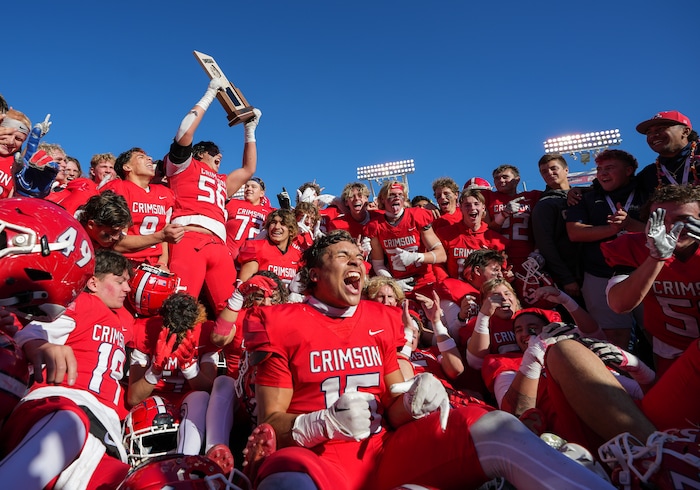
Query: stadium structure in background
{"type": "Point", "coordinates": [381, 172]}
{"type": "Point", "coordinates": [585, 145]}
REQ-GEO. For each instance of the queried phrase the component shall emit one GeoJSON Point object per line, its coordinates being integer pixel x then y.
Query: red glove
{"type": "Point", "coordinates": [262, 283]}
{"type": "Point", "coordinates": [164, 349]}
{"type": "Point", "coordinates": [40, 159]}
{"type": "Point", "coordinates": [185, 354]}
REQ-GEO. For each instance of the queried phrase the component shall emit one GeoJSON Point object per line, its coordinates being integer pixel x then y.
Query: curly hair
{"type": "Point", "coordinates": [288, 220]}
{"type": "Point", "coordinates": [181, 312]}
{"type": "Point", "coordinates": [445, 182]}
{"type": "Point", "coordinates": [106, 209]}
{"type": "Point", "coordinates": [279, 297]}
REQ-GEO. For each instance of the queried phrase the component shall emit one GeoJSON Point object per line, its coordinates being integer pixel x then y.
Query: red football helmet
{"type": "Point", "coordinates": [150, 286]}
{"type": "Point", "coordinates": [477, 183]}
{"type": "Point", "coordinates": [669, 460]}
{"type": "Point", "coordinates": [46, 257]}
{"type": "Point", "coordinates": [14, 375]}
{"type": "Point", "coordinates": [180, 472]}
{"type": "Point", "coordinates": [150, 429]}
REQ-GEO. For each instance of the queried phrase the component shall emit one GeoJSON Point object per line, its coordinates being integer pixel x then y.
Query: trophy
{"type": "Point", "coordinates": [232, 100]}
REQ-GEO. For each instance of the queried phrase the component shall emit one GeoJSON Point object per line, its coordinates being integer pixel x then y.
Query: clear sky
{"type": "Point", "coordinates": [460, 87]}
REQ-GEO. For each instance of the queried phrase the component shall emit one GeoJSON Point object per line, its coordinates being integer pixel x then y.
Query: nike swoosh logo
{"type": "Point", "coordinates": [375, 332]}
{"type": "Point", "coordinates": [108, 439]}
{"type": "Point", "coordinates": [162, 197]}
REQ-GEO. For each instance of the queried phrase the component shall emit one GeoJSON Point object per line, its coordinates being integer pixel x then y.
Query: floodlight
{"type": "Point", "coordinates": [239, 193]}
{"type": "Point", "coordinates": [384, 171]}
{"type": "Point", "coordinates": [584, 143]}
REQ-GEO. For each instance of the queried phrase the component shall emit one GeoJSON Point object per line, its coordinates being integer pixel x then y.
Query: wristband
{"type": "Point", "coordinates": [569, 303]}
{"type": "Point", "coordinates": [223, 327]}
{"type": "Point", "coordinates": [191, 372]}
{"type": "Point", "coordinates": [235, 302]}
{"type": "Point", "coordinates": [406, 350]}
{"type": "Point", "coordinates": [482, 324]}
{"type": "Point", "coordinates": [440, 329]}
{"type": "Point", "coordinates": [446, 345]}
{"type": "Point", "coordinates": [151, 377]}
{"type": "Point", "coordinates": [207, 99]}
{"type": "Point", "coordinates": [642, 374]}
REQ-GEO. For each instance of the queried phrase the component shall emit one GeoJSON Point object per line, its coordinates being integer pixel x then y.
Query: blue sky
{"type": "Point", "coordinates": [459, 88]}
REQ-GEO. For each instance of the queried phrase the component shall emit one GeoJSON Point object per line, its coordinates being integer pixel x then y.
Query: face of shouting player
{"type": "Point", "coordinates": [357, 203]}
{"type": "Point", "coordinates": [340, 277]}
{"type": "Point", "coordinates": [446, 199]}
{"type": "Point", "coordinates": [472, 212]}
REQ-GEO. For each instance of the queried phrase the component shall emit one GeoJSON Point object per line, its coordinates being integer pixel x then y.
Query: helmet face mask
{"type": "Point", "coordinates": [181, 472]}
{"type": "Point", "coordinates": [150, 286]}
{"type": "Point", "coordinates": [667, 459]}
{"type": "Point", "coordinates": [150, 429]}
{"type": "Point", "coordinates": [46, 258]}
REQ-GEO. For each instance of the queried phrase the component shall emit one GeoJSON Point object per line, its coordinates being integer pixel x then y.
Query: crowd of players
{"type": "Point", "coordinates": [152, 324]}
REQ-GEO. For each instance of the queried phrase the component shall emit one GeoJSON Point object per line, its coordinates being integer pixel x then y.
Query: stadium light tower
{"type": "Point", "coordinates": [386, 171]}
{"type": "Point", "coordinates": [585, 144]}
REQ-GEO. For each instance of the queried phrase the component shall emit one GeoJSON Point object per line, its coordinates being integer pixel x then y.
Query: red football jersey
{"type": "Point", "coordinates": [7, 181]}
{"type": "Point", "coordinates": [270, 258]}
{"type": "Point", "coordinates": [244, 222]}
{"type": "Point", "coordinates": [447, 220]}
{"type": "Point", "coordinates": [355, 228]}
{"type": "Point", "coordinates": [405, 234]}
{"type": "Point", "coordinates": [459, 242]}
{"type": "Point", "coordinates": [99, 342]}
{"type": "Point", "coordinates": [172, 385]}
{"type": "Point", "coordinates": [151, 210]}
{"type": "Point", "coordinates": [517, 228]}
{"type": "Point", "coordinates": [671, 311]}
{"type": "Point", "coordinates": [322, 357]}
{"type": "Point", "coordinates": [501, 334]}
{"type": "Point", "coordinates": [74, 195]}
{"type": "Point", "coordinates": [200, 196]}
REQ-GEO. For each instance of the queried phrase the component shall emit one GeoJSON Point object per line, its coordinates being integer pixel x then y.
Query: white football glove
{"type": "Point", "coordinates": [366, 246]}
{"type": "Point", "coordinates": [423, 395]}
{"type": "Point", "coordinates": [302, 226]}
{"type": "Point", "coordinates": [692, 228]}
{"type": "Point", "coordinates": [533, 358]}
{"type": "Point", "coordinates": [661, 244]}
{"type": "Point", "coordinates": [325, 199]}
{"type": "Point", "coordinates": [44, 126]}
{"type": "Point", "coordinates": [317, 233]}
{"type": "Point", "coordinates": [353, 417]}
{"type": "Point", "coordinates": [407, 284]}
{"type": "Point", "coordinates": [620, 359]}
{"type": "Point", "coordinates": [558, 331]}
{"type": "Point", "coordinates": [403, 258]}
{"type": "Point", "coordinates": [251, 125]}
{"type": "Point", "coordinates": [309, 195]}
{"type": "Point", "coordinates": [513, 207]}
